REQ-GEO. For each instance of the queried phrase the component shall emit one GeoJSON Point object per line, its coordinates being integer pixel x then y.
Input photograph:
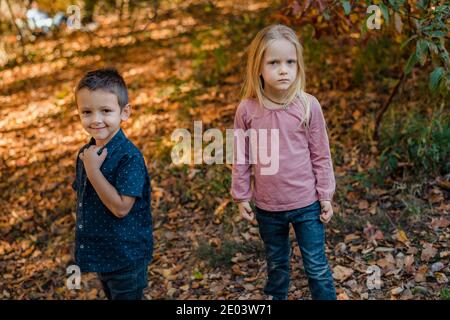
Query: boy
{"type": "Point", "coordinates": [114, 223]}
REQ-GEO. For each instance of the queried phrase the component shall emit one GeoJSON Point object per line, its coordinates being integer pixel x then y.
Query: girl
{"type": "Point", "coordinates": [301, 190]}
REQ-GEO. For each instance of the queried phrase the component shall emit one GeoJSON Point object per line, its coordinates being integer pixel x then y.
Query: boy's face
{"type": "Point", "coordinates": [100, 114]}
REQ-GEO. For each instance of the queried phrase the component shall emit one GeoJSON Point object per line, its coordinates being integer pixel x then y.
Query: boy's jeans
{"type": "Point", "coordinates": [310, 234]}
{"type": "Point", "coordinates": [127, 283]}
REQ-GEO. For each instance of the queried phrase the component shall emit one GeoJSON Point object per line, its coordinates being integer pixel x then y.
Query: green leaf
{"type": "Point", "coordinates": [435, 77]}
{"type": "Point", "coordinates": [437, 34]}
{"type": "Point", "coordinates": [385, 12]}
{"type": "Point", "coordinates": [433, 47]}
{"type": "Point", "coordinates": [394, 4]}
{"type": "Point", "coordinates": [198, 275]}
{"type": "Point", "coordinates": [422, 4]}
{"type": "Point", "coordinates": [444, 57]}
{"type": "Point", "coordinates": [443, 91]}
{"type": "Point", "coordinates": [410, 64]}
{"type": "Point", "coordinates": [407, 41]}
{"type": "Point", "coordinates": [347, 7]}
{"type": "Point", "coordinates": [363, 27]}
{"type": "Point", "coordinates": [422, 51]}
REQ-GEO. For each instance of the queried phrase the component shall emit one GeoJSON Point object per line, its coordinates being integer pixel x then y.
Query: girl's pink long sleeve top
{"type": "Point", "coordinates": [305, 169]}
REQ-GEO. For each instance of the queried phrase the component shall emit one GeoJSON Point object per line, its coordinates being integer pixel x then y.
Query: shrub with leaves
{"type": "Point", "coordinates": [425, 33]}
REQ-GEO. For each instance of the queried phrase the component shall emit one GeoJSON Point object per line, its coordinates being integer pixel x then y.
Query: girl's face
{"type": "Point", "coordinates": [279, 67]}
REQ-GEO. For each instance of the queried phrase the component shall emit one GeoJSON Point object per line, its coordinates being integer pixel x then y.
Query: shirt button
{"type": "Point", "coordinates": [80, 205]}
{"type": "Point", "coordinates": [80, 226]}
{"type": "Point", "coordinates": [82, 247]}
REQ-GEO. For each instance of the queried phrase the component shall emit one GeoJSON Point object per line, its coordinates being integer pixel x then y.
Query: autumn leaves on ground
{"type": "Point", "coordinates": [183, 67]}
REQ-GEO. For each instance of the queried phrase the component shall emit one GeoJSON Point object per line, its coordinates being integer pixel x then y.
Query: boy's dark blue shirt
{"type": "Point", "coordinates": [105, 243]}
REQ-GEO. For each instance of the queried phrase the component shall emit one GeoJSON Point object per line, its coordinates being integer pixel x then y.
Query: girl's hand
{"type": "Point", "coordinates": [327, 211]}
{"type": "Point", "coordinates": [91, 159]}
{"type": "Point", "coordinates": [246, 211]}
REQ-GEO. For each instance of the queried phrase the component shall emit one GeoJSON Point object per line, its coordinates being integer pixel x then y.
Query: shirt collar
{"type": "Point", "coordinates": [112, 144]}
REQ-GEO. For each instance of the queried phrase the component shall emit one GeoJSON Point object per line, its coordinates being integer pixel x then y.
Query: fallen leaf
{"type": "Point", "coordinates": [428, 252]}
{"type": "Point", "coordinates": [443, 183]}
{"type": "Point", "coordinates": [351, 237]}
{"type": "Point", "coordinates": [237, 270]}
{"type": "Point", "coordinates": [420, 275]}
{"type": "Point", "coordinates": [363, 204]}
{"type": "Point", "coordinates": [412, 250]}
{"type": "Point", "coordinates": [372, 233]}
{"type": "Point", "coordinates": [401, 236]}
{"type": "Point", "coordinates": [185, 287]}
{"type": "Point", "coordinates": [441, 277]}
{"type": "Point", "coordinates": [436, 196]}
{"type": "Point", "coordinates": [387, 263]}
{"type": "Point", "coordinates": [378, 192]}
{"type": "Point", "coordinates": [343, 296]}
{"type": "Point", "coordinates": [249, 287]}
{"type": "Point", "coordinates": [407, 295]}
{"type": "Point", "coordinates": [409, 264]}
{"type": "Point", "coordinates": [438, 266]}
{"type": "Point", "coordinates": [171, 292]}
{"type": "Point", "coordinates": [396, 291]}
{"type": "Point", "coordinates": [220, 210]}
{"type": "Point", "coordinates": [195, 285]}
{"type": "Point", "coordinates": [92, 295]}
{"type": "Point", "coordinates": [439, 223]}
{"type": "Point", "coordinates": [342, 273]}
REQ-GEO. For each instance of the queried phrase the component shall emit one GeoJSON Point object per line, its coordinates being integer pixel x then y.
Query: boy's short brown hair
{"type": "Point", "coordinates": [107, 79]}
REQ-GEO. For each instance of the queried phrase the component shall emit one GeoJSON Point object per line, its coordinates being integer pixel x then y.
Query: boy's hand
{"type": "Point", "coordinates": [91, 159]}
{"type": "Point", "coordinates": [327, 211]}
{"type": "Point", "coordinates": [246, 211]}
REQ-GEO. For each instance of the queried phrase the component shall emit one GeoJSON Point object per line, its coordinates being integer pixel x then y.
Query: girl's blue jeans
{"type": "Point", "coordinates": [310, 234]}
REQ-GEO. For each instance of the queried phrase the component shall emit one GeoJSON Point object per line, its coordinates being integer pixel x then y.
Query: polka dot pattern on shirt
{"type": "Point", "coordinates": [104, 242]}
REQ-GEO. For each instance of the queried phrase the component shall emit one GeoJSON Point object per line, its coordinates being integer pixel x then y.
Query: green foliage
{"type": "Point", "coordinates": [431, 30]}
{"type": "Point", "coordinates": [425, 26]}
{"type": "Point", "coordinates": [210, 65]}
{"type": "Point", "coordinates": [374, 61]}
{"type": "Point", "coordinates": [420, 143]}
{"type": "Point", "coordinates": [347, 7]}
{"type": "Point", "coordinates": [445, 294]}
{"type": "Point", "coordinates": [218, 257]}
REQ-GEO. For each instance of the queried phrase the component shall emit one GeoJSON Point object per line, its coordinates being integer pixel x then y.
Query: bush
{"type": "Point", "coordinates": [218, 257]}
{"type": "Point", "coordinates": [417, 144]}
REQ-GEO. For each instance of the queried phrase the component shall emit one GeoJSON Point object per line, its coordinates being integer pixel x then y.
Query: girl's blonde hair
{"type": "Point", "coordinates": [253, 83]}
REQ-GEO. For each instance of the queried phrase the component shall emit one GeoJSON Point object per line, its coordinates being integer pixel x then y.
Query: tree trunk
{"type": "Point", "coordinates": [13, 18]}
{"type": "Point", "coordinates": [89, 6]}
{"type": "Point", "coordinates": [379, 119]}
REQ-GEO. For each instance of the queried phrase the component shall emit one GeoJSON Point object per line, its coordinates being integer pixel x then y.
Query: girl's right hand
{"type": "Point", "coordinates": [246, 211]}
